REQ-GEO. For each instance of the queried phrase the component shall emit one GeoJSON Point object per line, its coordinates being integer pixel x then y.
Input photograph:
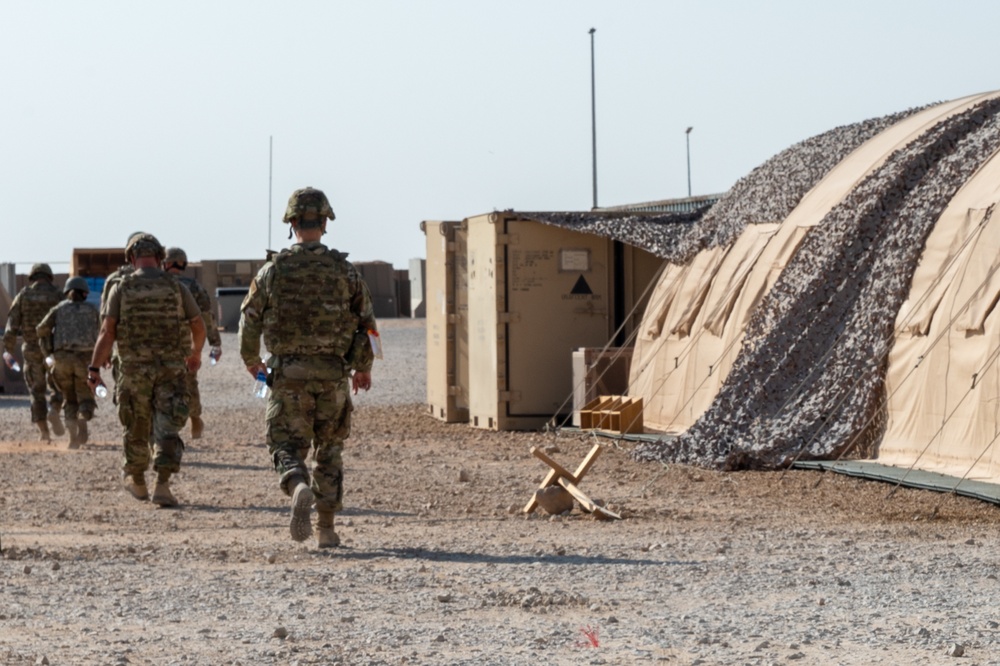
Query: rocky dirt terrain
{"type": "Point", "coordinates": [439, 566]}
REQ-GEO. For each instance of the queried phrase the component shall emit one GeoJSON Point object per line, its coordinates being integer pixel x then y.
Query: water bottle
{"type": "Point", "coordinates": [260, 387]}
{"type": "Point", "coordinates": [213, 356]}
{"type": "Point", "coordinates": [11, 362]}
{"type": "Point", "coordinates": [101, 390]}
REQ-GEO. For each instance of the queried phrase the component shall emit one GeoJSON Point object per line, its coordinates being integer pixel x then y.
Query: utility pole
{"type": "Point", "coordinates": [270, 176]}
{"type": "Point", "coordinates": [593, 112]}
{"type": "Point", "coordinates": [687, 134]}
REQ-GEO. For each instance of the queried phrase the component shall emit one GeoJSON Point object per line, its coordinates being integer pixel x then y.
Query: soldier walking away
{"type": "Point", "coordinates": [29, 307]}
{"type": "Point", "coordinates": [174, 263]}
{"type": "Point", "coordinates": [143, 314]}
{"type": "Point", "coordinates": [67, 334]}
{"type": "Point", "coordinates": [114, 278]}
{"type": "Point", "coordinates": [315, 313]}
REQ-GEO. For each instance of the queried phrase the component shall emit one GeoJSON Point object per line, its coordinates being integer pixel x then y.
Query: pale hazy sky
{"type": "Point", "coordinates": [141, 115]}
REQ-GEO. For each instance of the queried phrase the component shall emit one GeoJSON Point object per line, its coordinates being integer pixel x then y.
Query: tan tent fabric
{"type": "Point", "coordinates": [944, 379]}
{"type": "Point", "coordinates": [686, 347]}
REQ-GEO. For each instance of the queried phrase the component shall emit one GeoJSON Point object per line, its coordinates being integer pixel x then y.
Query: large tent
{"type": "Point", "coordinates": [838, 302]}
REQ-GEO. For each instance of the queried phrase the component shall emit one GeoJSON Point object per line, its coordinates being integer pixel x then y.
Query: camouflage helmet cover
{"type": "Point", "coordinates": [141, 244]}
{"type": "Point", "coordinates": [308, 205]}
{"type": "Point", "coordinates": [43, 269]}
{"type": "Point", "coordinates": [175, 255]}
{"type": "Point", "coordinates": [76, 282]}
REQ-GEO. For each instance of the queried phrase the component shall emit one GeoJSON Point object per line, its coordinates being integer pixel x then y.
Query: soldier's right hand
{"type": "Point", "coordinates": [193, 362]}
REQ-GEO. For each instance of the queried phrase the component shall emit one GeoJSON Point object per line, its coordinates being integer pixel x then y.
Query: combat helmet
{"type": "Point", "coordinates": [78, 283]}
{"type": "Point", "coordinates": [39, 270]}
{"type": "Point", "coordinates": [141, 244]}
{"type": "Point", "coordinates": [308, 207]}
{"type": "Point", "coordinates": [175, 255]}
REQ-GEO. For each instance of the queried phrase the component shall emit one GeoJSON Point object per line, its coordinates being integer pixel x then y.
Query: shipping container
{"type": "Point", "coordinates": [402, 282]}
{"type": "Point", "coordinates": [227, 281]}
{"type": "Point", "coordinates": [418, 292]}
{"type": "Point", "coordinates": [381, 280]}
{"type": "Point", "coordinates": [447, 387]}
{"type": "Point", "coordinates": [97, 262]}
{"type": "Point", "coordinates": [534, 293]}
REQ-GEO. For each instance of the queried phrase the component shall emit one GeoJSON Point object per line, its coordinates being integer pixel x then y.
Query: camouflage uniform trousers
{"type": "Point", "coordinates": [304, 414]}
{"type": "Point", "coordinates": [151, 398]}
{"type": "Point", "coordinates": [193, 394]}
{"type": "Point", "coordinates": [39, 381]}
{"type": "Point", "coordinates": [70, 375]}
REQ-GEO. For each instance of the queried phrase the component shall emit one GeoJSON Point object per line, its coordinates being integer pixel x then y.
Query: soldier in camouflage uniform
{"type": "Point", "coordinates": [68, 333]}
{"type": "Point", "coordinates": [29, 307]}
{"type": "Point", "coordinates": [144, 313]}
{"type": "Point", "coordinates": [175, 263]}
{"type": "Point", "coordinates": [116, 276]}
{"type": "Point", "coordinates": [315, 312]}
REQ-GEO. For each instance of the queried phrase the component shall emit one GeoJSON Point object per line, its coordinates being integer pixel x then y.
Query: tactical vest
{"type": "Point", "coordinates": [201, 296]}
{"type": "Point", "coordinates": [36, 301]}
{"type": "Point", "coordinates": [76, 326]}
{"type": "Point", "coordinates": [149, 320]}
{"type": "Point", "coordinates": [309, 310]}
{"type": "Point", "coordinates": [111, 281]}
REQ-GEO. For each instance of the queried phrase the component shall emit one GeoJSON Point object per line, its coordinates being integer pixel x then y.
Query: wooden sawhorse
{"type": "Point", "coordinates": [559, 475]}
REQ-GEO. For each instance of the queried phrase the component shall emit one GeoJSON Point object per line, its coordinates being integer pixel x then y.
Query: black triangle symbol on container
{"type": "Point", "coordinates": [581, 287]}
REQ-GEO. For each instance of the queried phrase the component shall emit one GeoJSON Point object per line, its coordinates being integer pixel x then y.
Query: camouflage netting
{"type": "Point", "coordinates": [767, 194]}
{"type": "Point", "coordinates": [809, 380]}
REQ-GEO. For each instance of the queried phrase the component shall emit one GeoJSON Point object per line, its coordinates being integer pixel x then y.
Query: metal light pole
{"type": "Point", "coordinates": [687, 134]}
{"type": "Point", "coordinates": [270, 179]}
{"type": "Point", "coordinates": [593, 113]}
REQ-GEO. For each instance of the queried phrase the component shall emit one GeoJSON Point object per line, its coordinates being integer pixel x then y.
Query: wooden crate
{"type": "Point", "coordinates": [591, 412]}
{"type": "Point", "coordinates": [616, 413]}
{"type": "Point", "coordinates": [628, 416]}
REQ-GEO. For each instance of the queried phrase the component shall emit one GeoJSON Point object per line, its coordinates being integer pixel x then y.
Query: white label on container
{"type": "Point", "coordinates": [574, 260]}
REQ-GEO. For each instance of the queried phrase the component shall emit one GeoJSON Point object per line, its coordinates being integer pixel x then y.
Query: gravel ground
{"type": "Point", "coordinates": [439, 566]}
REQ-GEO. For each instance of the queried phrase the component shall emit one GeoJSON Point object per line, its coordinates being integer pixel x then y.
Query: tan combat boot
{"type": "Point", "coordinates": [77, 433]}
{"type": "Point", "coordinates": [197, 427]}
{"type": "Point", "coordinates": [161, 492]}
{"type": "Point", "coordinates": [43, 430]}
{"type": "Point", "coordinates": [81, 432]}
{"type": "Point", "coordinates": [135, 484]}
{"type": "Point", "coordinates": [57, 426]}
{"type": "Point", "coordinates": [302, 502]}
{"type": "Point", "coordinates": [326, 537]}
{"type": "Point", "coordinates": [71, 427]}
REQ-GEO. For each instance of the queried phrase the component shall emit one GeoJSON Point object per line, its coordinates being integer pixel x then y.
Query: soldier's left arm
{"type": "Point", "coordinates": [193, 314]}
{"type": "Point", "coordinates": [44, 330]}
{"type": "Point", "coordinates": [364, 310]}
{"type": "Point", "coordinates": [105, 341]}
{"type": "Point", "coordinates": [252, 319]}
{"type": "Point", "coordinates": [198, 341]}
{"type": "Point", "coordinates": [204, 302]}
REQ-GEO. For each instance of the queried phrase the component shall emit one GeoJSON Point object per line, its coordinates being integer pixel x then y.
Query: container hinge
{"type": "Point", "coordinates": [508, 317]}
{"type": "Point", "coordinates": [506, 239]}
{"type": "Point", "coordinates": [510, 396]}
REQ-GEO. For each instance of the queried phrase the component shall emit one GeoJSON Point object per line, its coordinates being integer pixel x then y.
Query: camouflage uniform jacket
{"type": "Point", "coordinates": [149, 306]}
{"type": "Point", "coordinates": [70, 326]}
{"type": "Point", "coordinates": [310, 303]}
{"type": "Point", "coordinates": [28, 309]}
{"type": "Point", "coordinates": [111, 281]}
{"type": "Point", "coordinates": [204, 302]}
